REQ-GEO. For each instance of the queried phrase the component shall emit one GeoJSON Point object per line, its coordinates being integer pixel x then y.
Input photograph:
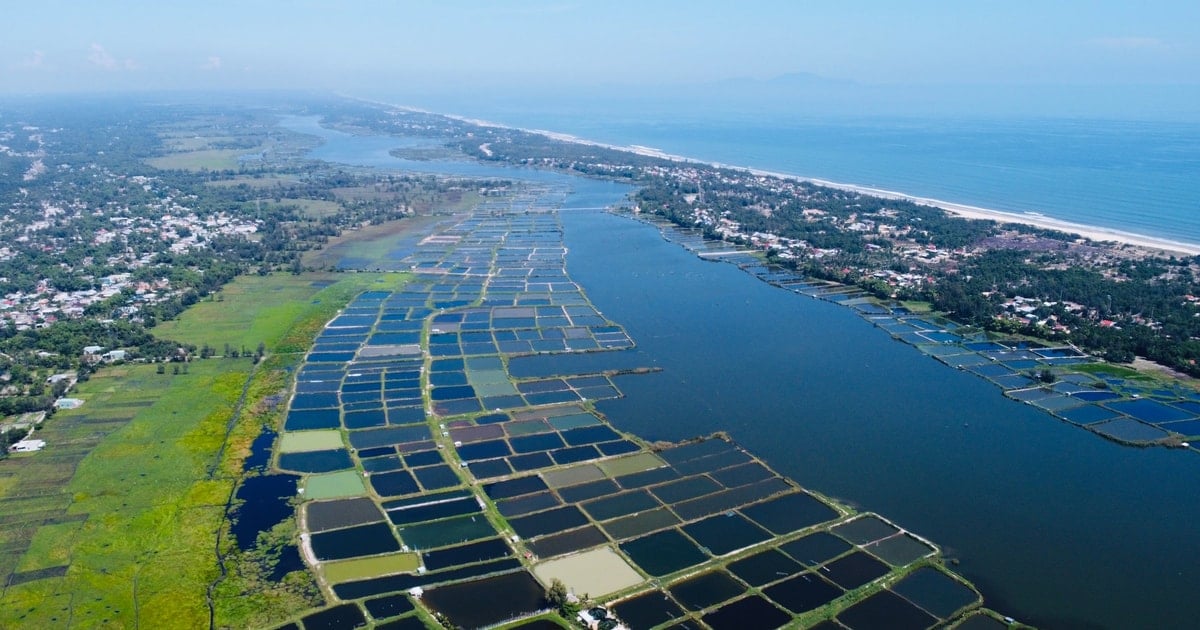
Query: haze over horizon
{"type": "Point", "coordinates": [1067, 58]}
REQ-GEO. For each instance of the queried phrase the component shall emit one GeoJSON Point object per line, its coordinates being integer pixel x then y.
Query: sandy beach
{"type": "Point", "coordinates": [1095, 233]}
{"type": "Point", "coordinates": [1092, 232]}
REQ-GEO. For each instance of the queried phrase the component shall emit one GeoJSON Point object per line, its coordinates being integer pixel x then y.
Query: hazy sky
{"type": "Point", "coordinates": [350, 45]}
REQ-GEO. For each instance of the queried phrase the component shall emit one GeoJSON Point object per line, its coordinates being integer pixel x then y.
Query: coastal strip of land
{"type": "Point", "coordinates": [1095, 233]}
{"type": "Point", "coordinates": [1038, 220]}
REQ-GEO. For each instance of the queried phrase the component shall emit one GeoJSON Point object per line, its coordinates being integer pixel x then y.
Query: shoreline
{"type": "Point", "coordinates": [1092, 232]}
{"type": "Point", "coordinates": [1095, 233]}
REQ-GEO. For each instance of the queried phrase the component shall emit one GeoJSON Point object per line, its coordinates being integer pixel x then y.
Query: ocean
{"type": "Point", "coordinates": [1141, 177]}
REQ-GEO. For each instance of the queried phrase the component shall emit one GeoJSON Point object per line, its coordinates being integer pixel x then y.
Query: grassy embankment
{"type": "Point", "coordinates": [116, 523]}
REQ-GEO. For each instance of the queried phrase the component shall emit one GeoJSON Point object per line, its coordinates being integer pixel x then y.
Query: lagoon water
{"type": "Point", "coordinates": [374, 151]}
{"type": "Point", "coordinates": [1057, 526]}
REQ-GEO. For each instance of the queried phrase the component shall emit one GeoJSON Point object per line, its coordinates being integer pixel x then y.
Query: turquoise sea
{"type": "Point", "coordinates": [1135, 176]}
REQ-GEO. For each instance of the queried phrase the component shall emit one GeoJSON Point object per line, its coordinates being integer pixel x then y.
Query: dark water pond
{"type": "Point", "coordinates": [389, 606]}
{"type": "Point", "coordinates": [764, 568]}
{"type": "Point", "coordinates": [935, 591]}
{"type": "Point", "coordinates": [854, 570]}
{"type": "Point", "coordinates": [662, 553]}
{"type": "Point", "coordinates": [790, 513]}
{"type": "Point", "coordinates": [620, 505]}
{"type": "Point", "coordinates": [487, 601]}
{"type": "Point", "coordinates": [640, 523]}
{"type": "Point", "coordinates": [885, 610]}
{"type": "Point", "coordinates": [548, 522]}
{"type": "Point", "coordinates": [648, 610]}
{"type": "Point", "coordinates": [567, 542]}
{"type": "Point", "coordinates": [260, 451]}
{"type": "Point", "coordinates": [803, 593]}
{"type": "Point", "coordinates": [447, 532]}
{"type": "Point", "coordinates": [815, 549]}
{"type": "Point", "coordinates": [364, 540]}
{"type": "Point", "coordinates": [336, 618]}
{"type": "Point", "coordinates": [466, 554]}
{"type": "Point", "coordinates": [316, 461]}
{"type": "Point", "coordinates": [725, 533]}
{"type": "Point", "coordinates": [706, 589]}
{"type": "Point", "coordinates": [526, 504]}
{"type": "Point", "coordinates": [266, 503]}
{"type": "Point", "coordinates": [750, 613]}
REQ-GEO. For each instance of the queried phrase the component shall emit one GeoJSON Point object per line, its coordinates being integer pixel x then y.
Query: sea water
{"type": "Point", "coordinates": [1141, 177]}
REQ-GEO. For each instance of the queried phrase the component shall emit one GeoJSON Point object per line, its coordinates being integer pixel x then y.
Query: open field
{"type": "Point", "coordinates": [1110, 369]}
{"type": "Point", "coordinates": [314, 208]}
{"type": "Point", "coordinates": [139, 512]}
{"type": "Point", "coordinates": [365, 193]}
{"type": "Point", "coordinates": [372, 244]}
{"type": "Point", "coordinates": [254, 309]}
{"type": "Point", "coordinates": [183, 141]}
{"type": "Point", "coordinates": [255, 182]}
{"type": "Point", "coordinates": [211, 159]}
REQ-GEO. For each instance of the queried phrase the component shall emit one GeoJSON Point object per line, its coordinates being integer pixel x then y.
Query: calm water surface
{"type": "Point", "coordinates": [1055, 525]}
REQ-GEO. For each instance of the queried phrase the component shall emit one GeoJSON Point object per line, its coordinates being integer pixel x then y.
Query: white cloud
{"type": "Point", "coordinates": [37, 60]}
{"type": "Point", "coordinates": [212, 63]}
{"type": "Point", "coordinates": [1130, 43]}
{"type": "Point", "coordinates": [100, 57]}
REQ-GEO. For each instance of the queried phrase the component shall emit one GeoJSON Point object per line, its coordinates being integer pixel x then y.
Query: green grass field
{"type": "Point", "coordinates": [116, 522]}
{"type": "Point", "coordinates": [254, 309]}
{"type": "Point", "coordinates": [314, 208]}
{"type": "Point", "coordinates": [254, 182]}
{"type": "Point", "coordinates": [249, 310]}
{"type": "Point", "coordinates": [1110, 369]}
{"type": "Point", "coordinates": [146, 510]}
{"type": "Point", "coordinates": [371, 244]}
{"type": "Point", "coordinates": [184, 141]}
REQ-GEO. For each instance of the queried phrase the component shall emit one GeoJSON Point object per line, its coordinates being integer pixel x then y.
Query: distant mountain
{"type": "Point", "coordinates": [791, 80]}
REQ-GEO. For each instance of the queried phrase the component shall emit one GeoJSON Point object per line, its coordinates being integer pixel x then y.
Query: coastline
{"type": "Point", "coordinates": [1095, 233]}
{"type": "Point", "coordinates": [1092, 232]}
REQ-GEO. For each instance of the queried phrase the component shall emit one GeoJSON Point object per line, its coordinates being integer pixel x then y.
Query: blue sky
{"type": "Point", "coordinates": [352, 45]}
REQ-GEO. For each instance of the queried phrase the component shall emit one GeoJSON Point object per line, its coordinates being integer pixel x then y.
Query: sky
{"type": "Point", "coordinates": [458, 45]}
